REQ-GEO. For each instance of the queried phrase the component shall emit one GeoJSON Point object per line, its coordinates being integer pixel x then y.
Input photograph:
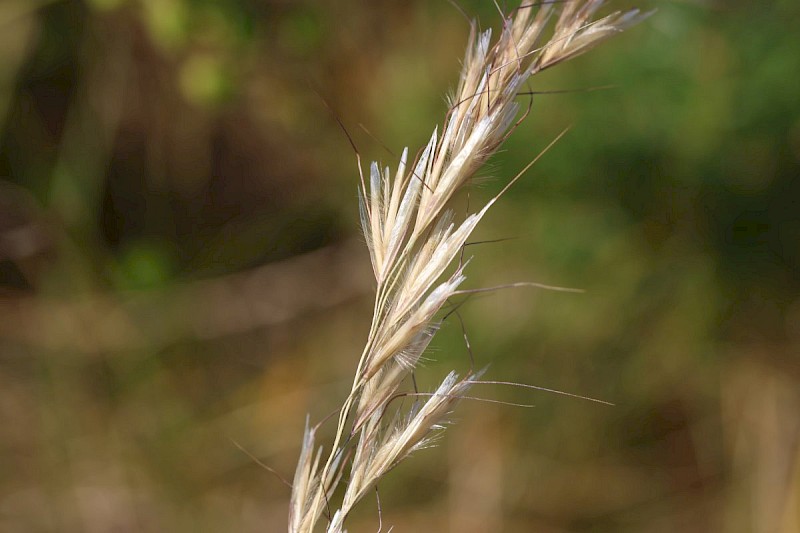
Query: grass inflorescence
{"type": "Point", "coordinates": [416, 248]}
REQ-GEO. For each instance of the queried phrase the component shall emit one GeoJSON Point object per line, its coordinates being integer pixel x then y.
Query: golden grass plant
{"type": "Point", "coordinates": [415, 244]}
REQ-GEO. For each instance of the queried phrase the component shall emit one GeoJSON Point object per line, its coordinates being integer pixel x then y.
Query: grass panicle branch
{"type": "Point", "coordinates": [414, 240]}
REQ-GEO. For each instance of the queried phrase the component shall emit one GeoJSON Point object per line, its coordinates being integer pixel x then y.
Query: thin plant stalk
{"type": "Point", "coordinates": [414, 242]}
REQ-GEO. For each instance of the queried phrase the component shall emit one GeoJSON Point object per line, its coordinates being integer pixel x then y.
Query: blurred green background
{"type": "Point", "coordinates": [181, 276]}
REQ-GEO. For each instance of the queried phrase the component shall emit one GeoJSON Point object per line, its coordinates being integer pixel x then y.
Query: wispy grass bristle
{"type": "Point", "coordinates": [414, 241]}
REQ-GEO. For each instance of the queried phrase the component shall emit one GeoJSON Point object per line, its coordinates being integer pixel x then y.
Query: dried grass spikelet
{"type": "Point", "coordinates": [413, 240]}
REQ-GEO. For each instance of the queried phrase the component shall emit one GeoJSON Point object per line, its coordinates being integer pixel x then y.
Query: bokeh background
{"type": "Point", "coordinates": [182, 280]}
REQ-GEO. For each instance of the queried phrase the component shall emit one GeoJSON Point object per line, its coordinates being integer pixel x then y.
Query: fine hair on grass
{"type": "Point", "coordinates": [416, 248]}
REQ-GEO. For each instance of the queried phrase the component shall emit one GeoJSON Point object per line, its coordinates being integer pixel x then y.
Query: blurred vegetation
{"type": "Point", "coordinates": [181, 276]}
